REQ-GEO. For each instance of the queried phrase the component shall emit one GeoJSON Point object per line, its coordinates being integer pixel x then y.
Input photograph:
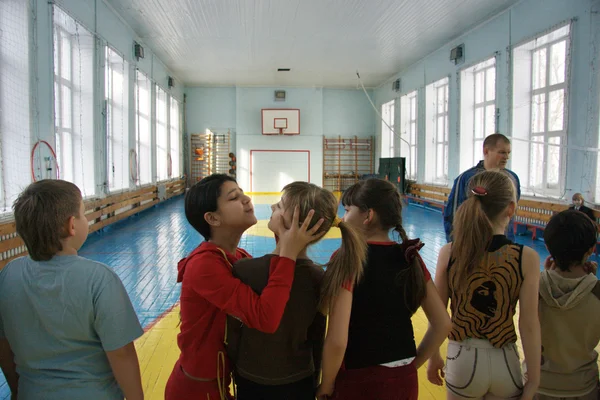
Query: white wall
{"type": "Point", "coordinates": [323, 112]}
{"type": "Point", "coordinates": [249, 102]}
{"type": "Point", "coordinates": [523, 21]}
{"type": "Point", "coordinates": [246, 143]}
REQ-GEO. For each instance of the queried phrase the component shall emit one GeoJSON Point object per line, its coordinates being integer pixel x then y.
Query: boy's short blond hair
{"type": "Point", "coordinates": [41, 213]}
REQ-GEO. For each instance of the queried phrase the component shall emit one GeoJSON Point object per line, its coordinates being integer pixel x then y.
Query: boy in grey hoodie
{"type": "Point", "coordinates": [569, 308]}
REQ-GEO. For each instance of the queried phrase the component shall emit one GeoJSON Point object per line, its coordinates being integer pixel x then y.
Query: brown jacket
{"type": "Point", "coordinates": [293, 352]}
{"type": "Point", "coordinates": [569, 310]}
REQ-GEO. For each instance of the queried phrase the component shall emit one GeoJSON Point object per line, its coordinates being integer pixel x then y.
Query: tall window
{"type": "Point", "coordinates": [143, 145]}
{"type": "Point", "coordinates": [73, 101]}
{"type": "Point", "coordinates": [117, 120]}
{"type": "Point", "coordinates": [437, 133]}
{"type": "Point", "coordinates": [15, 94]}
{"type": "Point", "coordinates": [162, 138]}
{"type": "Point", "coordinates": [478, 110]}
{"type": "Point", "coordinates": [539, 113]}
{"type": "Point", "coordinates": [408, 132]}
{"type": "Point", "coordinates": [387, 135]}
{"type": "Point", "coordinates": [174, 139]}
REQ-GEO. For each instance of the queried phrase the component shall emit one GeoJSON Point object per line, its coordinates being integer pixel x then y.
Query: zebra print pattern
{"type": "Point", "coordinates": [483, 307]}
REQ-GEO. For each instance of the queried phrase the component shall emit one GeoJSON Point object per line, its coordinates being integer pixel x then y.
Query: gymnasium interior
{"type": "Point", "coordinates": [135, 101]}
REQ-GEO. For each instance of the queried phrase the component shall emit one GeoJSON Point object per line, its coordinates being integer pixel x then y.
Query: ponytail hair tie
{"type": "Point", "coordinates": [479, 191]}
{"type": "Point", "coordinates": [336, 222]}
{"type": "Point", "coordinates": [411, 249]}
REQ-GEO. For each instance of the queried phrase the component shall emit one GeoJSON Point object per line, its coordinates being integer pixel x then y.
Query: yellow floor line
{"type": "Point", "coordinates": [158, 352]}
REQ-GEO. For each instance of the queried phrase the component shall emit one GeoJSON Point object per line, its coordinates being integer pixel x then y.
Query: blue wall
{"type": "Point", "coordinates": [328, 112]}
{"type": "Point", "coordinates": [323, 112]}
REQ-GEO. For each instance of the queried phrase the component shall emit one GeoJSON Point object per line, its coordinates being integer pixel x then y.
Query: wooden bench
{"type": "Point", "coordinates": [175, 188]}
{"type": "Point", "coordinates": [534, 215]}
{"type": "Point", "coordinates": [99, 213]}
{"type": "Point", "coordinates": [428, 195]}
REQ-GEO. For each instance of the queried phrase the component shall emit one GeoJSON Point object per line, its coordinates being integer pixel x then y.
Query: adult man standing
{"type": "Point", "coordinates": [496, 152]}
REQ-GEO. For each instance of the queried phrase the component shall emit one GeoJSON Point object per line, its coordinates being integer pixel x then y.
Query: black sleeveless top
{"type": "Point", "coordinates": [380, 330]}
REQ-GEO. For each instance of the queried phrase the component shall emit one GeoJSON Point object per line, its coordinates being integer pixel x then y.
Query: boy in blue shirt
{"type": "Point", "coordinates": [67, 325]}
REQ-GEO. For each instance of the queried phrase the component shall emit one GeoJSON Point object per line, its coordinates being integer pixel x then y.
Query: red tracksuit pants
{"type": "Point", "coordinates": [182, 387]}
{"type": "Point", "coordinates": [377, 383]}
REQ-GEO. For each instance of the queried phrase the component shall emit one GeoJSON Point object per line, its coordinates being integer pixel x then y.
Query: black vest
{"type": "Point", "coordinates": [381, 330]}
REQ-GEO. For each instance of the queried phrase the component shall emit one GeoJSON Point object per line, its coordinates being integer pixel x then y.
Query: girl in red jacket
{"type": "Point", "coordinates": [220, 211]}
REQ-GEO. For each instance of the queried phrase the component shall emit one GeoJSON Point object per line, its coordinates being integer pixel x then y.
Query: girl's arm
{"type": "Point", "coordinates": [529, 322]}
{"type": "Point", "coordinates": [435, 366]}
{"type": "Point", "coordinates": [439, 325]}
{"type": "Point", "coordinates": [336, 341]}
{"type": "Point", "coordinates": [316, 334]}
{"type": "Point", "coordinates": [210, 275]}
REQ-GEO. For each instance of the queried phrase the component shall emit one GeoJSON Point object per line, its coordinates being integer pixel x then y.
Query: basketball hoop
{"type": "Point", "coordinates": [280, 121]}
{"type": "Point", "coordinates": [280, 124]}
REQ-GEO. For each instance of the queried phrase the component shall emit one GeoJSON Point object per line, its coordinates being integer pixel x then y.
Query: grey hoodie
{"type": "Point", "coordinates": [570, 322]}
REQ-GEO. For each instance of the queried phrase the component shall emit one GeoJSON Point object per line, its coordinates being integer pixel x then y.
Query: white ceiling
{"type": "Point", "coordinates": [324, 42]}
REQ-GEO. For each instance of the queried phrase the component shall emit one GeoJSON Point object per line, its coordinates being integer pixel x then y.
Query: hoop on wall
{"type": "Point", "coordinates": [48, 168]}
{"type": "Point", "coordinates": [133, 166]}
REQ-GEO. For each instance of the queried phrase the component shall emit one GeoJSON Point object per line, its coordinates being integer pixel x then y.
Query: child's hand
{"type": "Point", "coordinates": [324, 391]}
{"type": "Point", "coordinates": [435, 370]}
{"type": "Point", "coordinates": [529, 391]}
{"type": "Point", "coordinates": [549, 263]}
{"type": "Point", "coordinates": [590, 267]}
{"type": "Point", "coordinates": [297, 237]}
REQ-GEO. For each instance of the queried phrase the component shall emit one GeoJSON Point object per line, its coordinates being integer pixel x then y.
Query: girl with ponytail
{"type": "Point", "coordinates": [484, 275]}
{"type": "Point", "coordinates": [369, 351]}
{"type": "Point", "coordinates": [286, 364]}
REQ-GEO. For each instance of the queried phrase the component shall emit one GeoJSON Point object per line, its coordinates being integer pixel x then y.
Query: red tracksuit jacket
{"type": "Point", "coordinates": [209, 292]}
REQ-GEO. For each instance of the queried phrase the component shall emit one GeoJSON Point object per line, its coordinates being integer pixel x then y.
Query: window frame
{"type": "Point", "coordinates": [141, 147]}
{"type": "Point", "coordinates": [408, 104]}
{"type": "Point", "coordinates": [161, 176]}
{"type": "Point", "coordinates": [174, 157]}
{"type": "Point", "coordinates": [112, 140]}
{"type": "Point", "coordinates": [528, 162]}
{"type": "Point", "coordinates": [388, 109]}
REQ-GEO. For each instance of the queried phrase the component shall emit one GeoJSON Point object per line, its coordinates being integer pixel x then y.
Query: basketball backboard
{"type": "Point", "coordinates": [280, 121]}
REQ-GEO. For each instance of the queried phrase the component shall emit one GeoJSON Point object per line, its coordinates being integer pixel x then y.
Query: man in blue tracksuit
{"type": "Point", "coordinates": [496, 152]}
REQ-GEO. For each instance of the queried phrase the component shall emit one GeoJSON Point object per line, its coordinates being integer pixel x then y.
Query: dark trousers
{"type": "Point", "coordinates": [301, 390]}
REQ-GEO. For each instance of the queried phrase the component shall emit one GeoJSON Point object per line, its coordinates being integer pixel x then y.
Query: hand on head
{"type": "Point", "coordinates": [590, 267]}
{"type": "Point", "coordinates": [549, 263]}
{"type": "Point", "coordinates": [295, 238]}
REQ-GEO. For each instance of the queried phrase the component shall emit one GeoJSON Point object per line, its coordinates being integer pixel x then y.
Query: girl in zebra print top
{"type": "Point", "coordinates": [484, 275]}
